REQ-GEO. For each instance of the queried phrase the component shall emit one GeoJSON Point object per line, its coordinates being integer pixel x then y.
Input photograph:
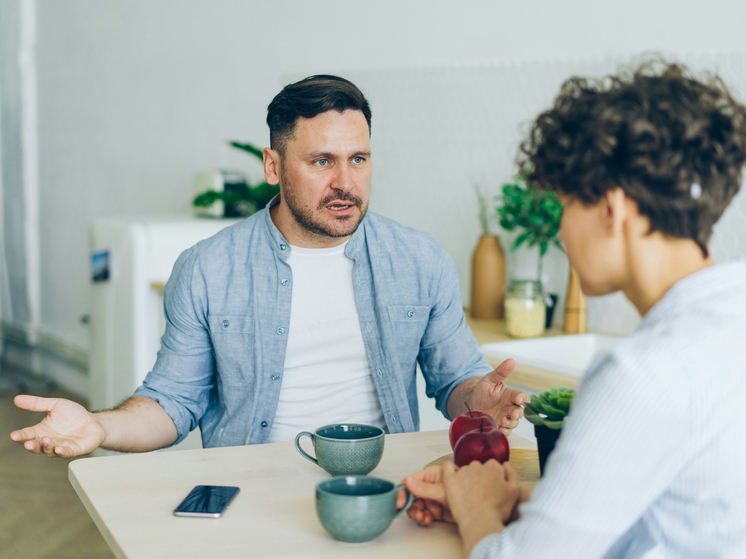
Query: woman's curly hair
{"type": "Point", "coordinates": [676, 145]}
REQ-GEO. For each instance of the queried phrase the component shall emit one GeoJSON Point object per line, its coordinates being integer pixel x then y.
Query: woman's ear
{"type": "Point", "coordinates": [616, 210]}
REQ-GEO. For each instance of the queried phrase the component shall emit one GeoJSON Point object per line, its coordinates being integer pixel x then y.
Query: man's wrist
{"type": "Point", "coordinates": [463, 393]}
{"type": "Point", "coordinates": [106, 435]}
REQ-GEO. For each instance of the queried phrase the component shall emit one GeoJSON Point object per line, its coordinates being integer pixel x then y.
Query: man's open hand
{"type": "Point", "coordinates": [68, 429]}
{"type": "Point", "coordinates": [491, 395]}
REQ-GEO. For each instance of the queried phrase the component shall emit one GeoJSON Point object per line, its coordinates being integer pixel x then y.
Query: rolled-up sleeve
{"type": "Point", "coordinates": [184, 371]}
{"type": "Point", "coordinates": [449, 353]}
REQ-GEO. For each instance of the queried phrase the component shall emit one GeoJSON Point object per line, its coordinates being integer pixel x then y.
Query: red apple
{"type": "Point", "coordinates": [481, 444]}
{"type": "Point", "coordinates": [468, 421]}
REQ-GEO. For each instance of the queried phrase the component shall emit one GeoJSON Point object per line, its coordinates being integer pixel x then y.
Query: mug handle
{"type": "Point", "coordinates": [409, 499]}
{"type": "Point", "coordinates": [303, 452]}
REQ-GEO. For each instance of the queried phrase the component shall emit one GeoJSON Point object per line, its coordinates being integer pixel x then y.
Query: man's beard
{"type": "Point", "coordinates": [343, 226]}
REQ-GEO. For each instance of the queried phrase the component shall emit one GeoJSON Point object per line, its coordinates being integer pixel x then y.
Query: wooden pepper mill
{"type": "Point", "coordinates": [576, 307]}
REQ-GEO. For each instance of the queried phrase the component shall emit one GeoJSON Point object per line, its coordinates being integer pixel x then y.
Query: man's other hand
{"type": "Point", "coordinates": [491, 395]}
{"type": "Point", "coordinates": [429, 502]}
{"type": "Point", "coordinates": [68, 430]}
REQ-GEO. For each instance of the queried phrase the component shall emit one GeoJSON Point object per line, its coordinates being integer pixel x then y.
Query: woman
{"type": "Point", "coordinates": [653, 452]}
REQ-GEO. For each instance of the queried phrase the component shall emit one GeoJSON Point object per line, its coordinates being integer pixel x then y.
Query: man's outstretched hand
{"type": "Point", "coordinates": [491, 395]}
{"type": "Point", "coordinates": [68, 430]}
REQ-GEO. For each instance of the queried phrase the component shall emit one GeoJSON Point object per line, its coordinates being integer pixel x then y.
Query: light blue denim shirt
{"type": "Point", "coordinates": [227, 308]}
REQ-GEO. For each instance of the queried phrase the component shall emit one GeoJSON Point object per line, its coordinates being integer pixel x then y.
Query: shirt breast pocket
{"type": "Point", "coordinates": [232, 342]}
{"type": "Point", "coordinates": [409, 323]}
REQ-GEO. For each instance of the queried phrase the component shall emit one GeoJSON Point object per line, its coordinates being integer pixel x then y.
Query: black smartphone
{"type": "Point", "coordinates": [206, 501]}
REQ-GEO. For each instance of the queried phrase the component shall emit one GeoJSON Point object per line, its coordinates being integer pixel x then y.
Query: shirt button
{"type": "Point", "coordinates": [283, 246]}
{"type": "Point", "coordinates": [226, 324]}
{"type": "Point", "coordinates": [280, 330]}
{"type": "Point", "coordinates": [395, 419]}
{"type": "Point", "coordinates": [275, 377]}
{"type": "Point", "coordinates": [368, 327]}
{"type": "Point", "coordinates": [410, 314]}
{"type": "Point", "coordinates": [264, 424]}
{"type": "Point", "coordinates": [284, 282]}
{"type": "Point", "coordinates": [379, 373]}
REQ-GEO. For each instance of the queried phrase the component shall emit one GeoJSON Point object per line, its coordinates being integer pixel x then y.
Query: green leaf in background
{"type": "Point", "coordinates": [207, 198]}
{"type": "Point", "coordinates": [533, 213]}
{"type": "Point", "coordinates": [255, 151]}
{"type": "Point", "coordinates": [248, 199]}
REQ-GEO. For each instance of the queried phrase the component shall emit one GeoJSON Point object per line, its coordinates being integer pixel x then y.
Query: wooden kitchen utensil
{"type": "Point", "coordinates": [576, 307]}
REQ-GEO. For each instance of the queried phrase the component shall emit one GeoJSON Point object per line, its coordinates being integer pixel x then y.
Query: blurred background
{"type": "Point", "coordinates": [110, 108]}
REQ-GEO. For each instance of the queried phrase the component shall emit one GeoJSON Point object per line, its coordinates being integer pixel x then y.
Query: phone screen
{"type": "Point", "coordinates": [206, 501]}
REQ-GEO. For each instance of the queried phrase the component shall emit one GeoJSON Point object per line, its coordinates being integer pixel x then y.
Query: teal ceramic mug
{"type": "Point", "coordinates": [345, 448]}
{"type": "Point", "coordinates": [357, 508]}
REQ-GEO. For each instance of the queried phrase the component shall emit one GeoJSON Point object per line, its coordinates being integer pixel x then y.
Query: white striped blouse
{"type": "Point", "coordinates": [653, 453]}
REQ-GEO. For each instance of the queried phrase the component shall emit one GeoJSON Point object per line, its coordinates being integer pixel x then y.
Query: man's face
{"type": "Point", "coordinates": [325, 176]}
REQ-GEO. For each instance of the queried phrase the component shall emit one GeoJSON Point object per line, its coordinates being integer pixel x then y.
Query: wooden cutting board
{"type": "Point", "coordinates": [525, 462]}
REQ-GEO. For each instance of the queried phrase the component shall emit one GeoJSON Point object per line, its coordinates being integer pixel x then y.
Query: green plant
{"type": "Point", "coordinates": [534, 212]}
{"type": "Point", "coordinates": [246, 199]}
{"type": "Point", "coordinates": [550, 408]}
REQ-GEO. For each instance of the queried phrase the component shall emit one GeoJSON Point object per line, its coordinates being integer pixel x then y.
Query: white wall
{"type": "Point", "coordinates": [135, 96]}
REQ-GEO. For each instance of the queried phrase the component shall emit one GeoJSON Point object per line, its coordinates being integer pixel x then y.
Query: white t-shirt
{"type": "Point", "coordinates": [327, 377]}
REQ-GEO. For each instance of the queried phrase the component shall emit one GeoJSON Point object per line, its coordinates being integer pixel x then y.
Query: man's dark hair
{"type": "Point", "coordinates": [307, 98]}
{"type": "Point", "coordinates": [675, 144]}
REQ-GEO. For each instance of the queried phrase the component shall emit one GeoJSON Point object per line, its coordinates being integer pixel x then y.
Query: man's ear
{"type": "Point", "coordinates": [272, 166]}
{"type": "Point", "coordinates": [616, 210]}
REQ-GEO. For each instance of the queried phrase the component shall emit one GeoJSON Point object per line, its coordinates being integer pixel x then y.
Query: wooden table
{"type": "Point", "coordinates": [131, 499]}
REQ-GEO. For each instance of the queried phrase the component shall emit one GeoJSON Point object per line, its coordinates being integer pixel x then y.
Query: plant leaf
{"type": "Point", "coordinates": [520, 240]}
{"type": "Point", "coordinates": [249, 148]}
{"type": "Point", "coordinates": [207, 198]}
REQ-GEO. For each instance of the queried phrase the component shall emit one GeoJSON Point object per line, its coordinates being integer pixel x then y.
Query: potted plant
{"type": "Point", "coordinates": [240, 198]}
{"type": "Point", "coordinates": [547, 411]}
{"type": "Point", "coordinates": [535, 215]}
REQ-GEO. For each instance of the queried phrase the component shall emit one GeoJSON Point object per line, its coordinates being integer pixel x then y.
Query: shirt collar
{"type": "Point", "coordinates": [706, 284]}
{"type": "Point", "coordinates": [278, 242]}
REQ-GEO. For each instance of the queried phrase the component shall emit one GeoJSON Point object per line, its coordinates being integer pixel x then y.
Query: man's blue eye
{"type": "Point", "coordinates": [358, 160]}
{"type": "Point", "coordinates": [323, 162]}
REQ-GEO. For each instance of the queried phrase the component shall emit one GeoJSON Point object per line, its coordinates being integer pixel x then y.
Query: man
{"type": "Point", "coordinates": [310, 312]}
{"type": "Point", "coordinates": [644, 164]}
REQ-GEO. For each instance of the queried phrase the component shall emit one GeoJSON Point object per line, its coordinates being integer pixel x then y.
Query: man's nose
{"type": "Point", "coordinates": [342, 179]}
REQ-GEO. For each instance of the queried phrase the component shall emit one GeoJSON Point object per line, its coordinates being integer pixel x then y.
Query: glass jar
{"type": "Point", "coordinates": [525, 311]}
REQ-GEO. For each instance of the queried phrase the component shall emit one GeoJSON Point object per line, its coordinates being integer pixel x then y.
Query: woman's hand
{"type": "Point", "coordinates": [481, 498]}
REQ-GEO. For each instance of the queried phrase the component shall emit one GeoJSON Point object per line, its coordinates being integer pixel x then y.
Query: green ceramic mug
{"type": "Point", "coordinates": [357, 508]}
{"type": "Point", "coordinates": [345, 448]}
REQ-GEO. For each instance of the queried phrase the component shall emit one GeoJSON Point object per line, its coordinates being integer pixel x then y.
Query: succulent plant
{"type": "Point", "coordinates": [550, 407]}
